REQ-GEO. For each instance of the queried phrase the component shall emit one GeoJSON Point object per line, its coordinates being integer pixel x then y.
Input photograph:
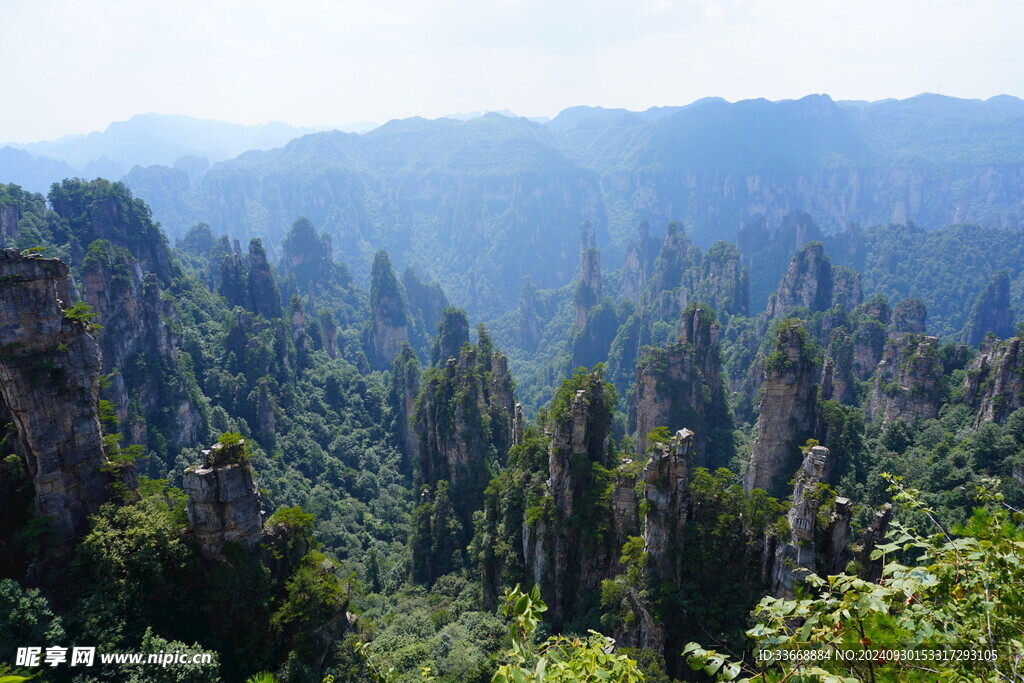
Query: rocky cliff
{"type": "Point", "coordinates": [996, 380]}
{"type": "Point", "coordinates": [405, 387]}
{"type": "Point", "coordinates": [799, 554]}
{"type": "Point", "coordinates": [49, 385]}
{"type": "Point", "coordinates": [530, 325]}
{"type": "Point", "coordinates": [565, 550]}
{"type": "Point", "coordinates": [389, 327]}
{"type": "Point", "coordinates": [223, 502]}
{"type": "Point", "coordinates": [908, 381]}
{"type": "Point", "coordinates": [991, 312]}
{"type": "Point", "coordinates": [681, 384]}
{"type": "Point", "coordinates": [639, 263]}
{"type": "Point", "coordinates": [909, 317]}
{"type": "Point", "coordinates": [589, 291]}
{"type": "Point", "coordinates": [788, 407]}
{"type": "Point", "coordinates": [807, 283]}
{"type": "Point", "coordinates": [837, 379]}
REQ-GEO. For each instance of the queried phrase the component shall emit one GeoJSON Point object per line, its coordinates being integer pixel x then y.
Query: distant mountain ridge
{"type": "Point", "coordinates": [481, 203]}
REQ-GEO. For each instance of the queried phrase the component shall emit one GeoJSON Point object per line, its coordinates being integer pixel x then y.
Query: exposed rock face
{"type": "Point", "coordinates": [991, 312]}
{"type": "Point", "coordinates": [452, 334]}
{"type": "Point", "coordinates": [589, 291]}
{"type": "Point", "coordinates": [560, 555]}
{"type": "Point", "coordinates": [49, 370]}
{"type": "Point", "coordinates": [681, 384]}
{"type": "Point", "coordinates": [806, 284]}
{"type": "Point", "coordinates": [872, 536]}
{"type": "Point", "coordinates": [463, 420]}
{"type": "Point", "coordinates": [666, 478]}
{"type": "Point", "coordinates": [529, 317]}
{"type": "Point", "coordinates": [908, 381]}
{"type": "Point", "coordinates": [796, 556]}
{"type": "Point", "coordinates": [673, 259]}
{"type": "Point", "coordinates": [787, 413]}
{"type": "Point", "coordinates": [263, 293]}
{"type": "Point", "coordinates": [8, 223]}
{"type": "Point", "coordinates": [223, 502]}
{"type": "Point", "coordinates": [996, 377]}
{"type": "Point", "coordinates": [837, 381]}
{"type": "Point", "coordinates": [517, 425]}
{"type": "Point", "coordinates": [909, 317]}
{"type": "Point", "coordinates": [308, 257]}
{"type": "Point", "coordinates": [390, 324]}
{"type": "Point", "coordinates": [639, 263]}
{"type": "Point", "coordinates": [846, 287]}
{"type": "Point", "coordinates": [426, 301]}
{"type": "Point", "coordinates": [405, 387]}
{"type": "Point", "coordinates": [134, 316]}
{"type": "Point", "coordinates": [868, 345]}
{"type": "Point", "coordinates": [329, 326]}
{"type": "Point", "coordinates": [722, 283]}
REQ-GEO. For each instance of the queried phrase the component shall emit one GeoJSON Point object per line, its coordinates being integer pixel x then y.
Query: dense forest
{"type": "Point", "coordinates": [636, 454]}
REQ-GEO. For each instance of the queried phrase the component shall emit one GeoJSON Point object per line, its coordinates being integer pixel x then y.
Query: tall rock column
{"type": "Point", "coordinates": [996, 378]}
{"type": "Point", "coordinates": [796, 556]}
{"type": "Point", "coordinates": [908, 381]}
{"type": "Point", "coordinates": [390, 324]}
{"type": "Point", "coordinates": [223, 502]}
{"type": "Point", "coordinates": [49, 383]}
{"type": "Point", "coordinates": [787, 412]}
{"type": "Point", "coordinates": [991, 311]}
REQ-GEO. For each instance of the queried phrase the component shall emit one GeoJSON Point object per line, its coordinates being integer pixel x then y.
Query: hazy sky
{"type": "Point", "coordinates": [74, 66]}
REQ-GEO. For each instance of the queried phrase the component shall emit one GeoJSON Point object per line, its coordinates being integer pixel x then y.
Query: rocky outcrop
{"type": "Point", "coordinates": [639, 263]}
{"type": "Point", "coordinates": [797, 555]}
{"type": "Point", "coordinates": [9, 216]}
{"type": "Point", "coordinates": [681, 384]}
{"type": "Point", "coordinates": [463, 422]}
{"type": "Point", "coordinates": [389, 327]}
{"type": "Point", "coordinates": [837, 380]}
{"type": "Point", "coordinates": [909, 317]}
{"type": "Point", "coordinates": [722, 282]}
{"type": "Point", "coordinates": [49, 384]}
{"type": "Point", "coordinates": [136, 321]}
{"type": "Point", "coordinates": [996, 380]}
{"type": "Point", "coordinates": [871, 537]}
{"type": "Point", "coordinates": [806, 284]}
{"type": "Point", "coordinates": [589, 290]}
{"type": "Point", "coordinates": [787, 412]}
{"type": "Point", "coordinates": [908, 381]}
{"type": "Point", "coordinates": [674, 258]}
{"type": "Point", "coordinates": [405, 387]}
{"type": "Point", "coordinates": [224, 504]}
{"type": "Point", "coordinates": [991, 312]}
{"type": "Point", "coordinates": [518, 428]}
{"type": "Point", "coordinates": [529, 317]}
{"type": "Point", "coordinates": [263, 295]}
{"type": "Point", "coordinates": [308, 258]}
{"type": "Point", "coordinates": [452, 334]}
{"type": "Point", "coordinates": [427, 302]}
{"type": "Point", "coordinates": [846, 287]}
{"type": "Point", "coordinates": [562, 550]}
{"type": "Point", "coordinates": [666, 478]}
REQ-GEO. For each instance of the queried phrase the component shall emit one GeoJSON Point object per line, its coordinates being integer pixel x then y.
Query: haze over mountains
{"type": "Point", "coordinates": [481, 203]}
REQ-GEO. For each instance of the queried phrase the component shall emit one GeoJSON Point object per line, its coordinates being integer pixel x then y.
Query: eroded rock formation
{"type": "Point", "coordinates": [908, 380]}
{"type": "Point", "coordinates": [787, 412]}
{"type": "Point", "coordinates": [390, 316]}
{"type": "Point", "coordinates": [224, 504]}
{"type": "Point", "coordinates": [796, 556]}
{"type": "Point", "coordinates": [49, 383]}
{"type": "Point", "coordinates": [991, 311]}
{"type": "Point", "coordinates": [996, 379]}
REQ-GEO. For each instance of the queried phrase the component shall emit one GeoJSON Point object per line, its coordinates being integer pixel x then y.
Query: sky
{"type": "Point", "coordinates": [74, 66]}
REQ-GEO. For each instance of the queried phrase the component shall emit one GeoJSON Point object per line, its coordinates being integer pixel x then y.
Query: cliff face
{"type": "Point", "coordinates": [909, 317]}
{"type": "Point", "coordinates": [405, 387]}
{"type": "Point", "coordinates": [136, 332]}
{"type": "Point", "coordinates": [681, 384]}
{"type": "Point", "coordinates": [223, 502]}
{"type": "Point", "coordinates": [787, 412]}
{"type": "Point", "coordinates": [806, 284]}
{"type": "Point", "coordinates": [9, 215]}
{"type": "Point", "coordinates": [589, 291]}
{"type": "Point", "coordinates": [908, 380]}
{"type": "Point", "coordinates": [390, 316]}
{"type": "Point", "coordinates": [564, 551]}
{"type": "Point", "coordinates": [722, 283]}
{"type": "Point", "coordinates": [796, 556]}
{"type": "Point", "coordinates": [639, 263]}
{"type": "Point", "coordinates": [263, 294]}
{"type": "Point", "coordinates": [529, 317]}
{"type": "Point", "coordinates": [991, 311]}
{"type": "Point", "coordinates": [49, 369]}
{"type": "Point", "coordinates": [996, 378]}
{"type": "Point", "coordinates": [837, 380]}
{"type": "Point", "coordinates": [463, 420]}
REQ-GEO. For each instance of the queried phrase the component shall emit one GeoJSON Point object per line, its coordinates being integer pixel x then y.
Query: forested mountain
{"type": "Point", "coordinates": [401, 405]}
{"type": "Point", "coordinates": [480, 203]}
